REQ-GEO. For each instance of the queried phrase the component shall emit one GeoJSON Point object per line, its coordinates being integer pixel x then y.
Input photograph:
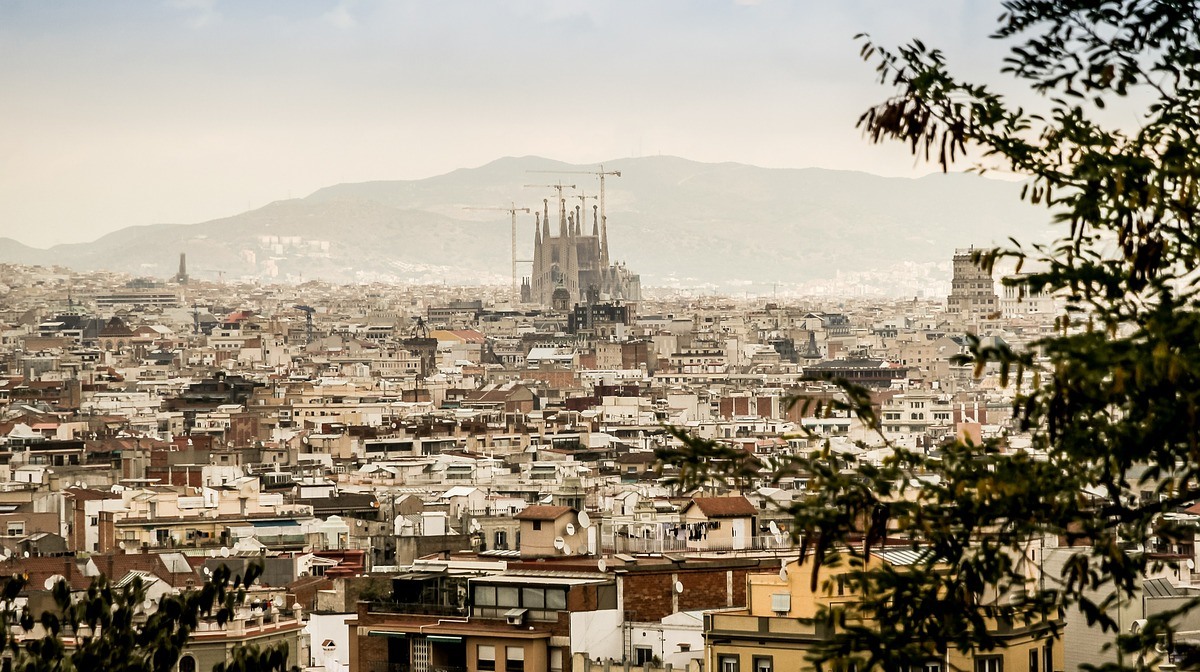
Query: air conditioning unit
{"type": "Point", "coordinates": [515, 616]}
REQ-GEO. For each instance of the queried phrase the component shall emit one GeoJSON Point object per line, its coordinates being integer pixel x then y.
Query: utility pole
{"type": "Point", "coordinates": [512, 210]}
{"type": "Point", "coordinates": [603, 219]}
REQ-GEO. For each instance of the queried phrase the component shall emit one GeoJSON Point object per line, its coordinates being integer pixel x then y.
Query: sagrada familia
{"type": "Point", "coordinates": [573, 268]}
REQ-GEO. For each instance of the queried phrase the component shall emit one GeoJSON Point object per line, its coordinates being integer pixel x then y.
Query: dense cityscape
{"type": "Point", "coordinates": [465, 478]}
{"type": "Point", "coordinates": [560, 336]}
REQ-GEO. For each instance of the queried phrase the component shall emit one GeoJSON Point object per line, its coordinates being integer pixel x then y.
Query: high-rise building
{"type": "Point", "coordinates": [972, 290]}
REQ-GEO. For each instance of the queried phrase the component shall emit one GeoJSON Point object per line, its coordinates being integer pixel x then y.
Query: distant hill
{"type": "Point", "coordinates": [722, 224]}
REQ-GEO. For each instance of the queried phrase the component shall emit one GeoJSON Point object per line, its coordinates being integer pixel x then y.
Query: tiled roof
{"type": "Point", "coordinates": [725, 507]}
{"type": "Point", "coordinates": [543, 512]}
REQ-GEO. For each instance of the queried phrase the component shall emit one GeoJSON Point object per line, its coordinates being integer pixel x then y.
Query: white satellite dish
{"type": "Point", "coordinates": [1191, 564]}
{"type": "Point", "coordinates": [678, 587]}
{"type": "Point", "coordinates": [212, 552]}
{"type": "Point", "coordinates": [224, 551]}
{"type": "Point", "coordinates": [582, 550]}
{"type": "Point", "coordinates": [52, 580]}
{"type": "Point", "coordinates": [26, 554]}
{"type": "Point", "coordinates": [783, 573]}
{"type": "Point", "coordinates": [570, 529]}
{"type": "Point", "coordinates": [602, 565]}
{"type": "Point", "coordinates": [566, 549]}
{"type": "Point", "coordinates": [147, 604]}
{"type": "Point", "coordinates": [559, 543]}
{"type": "Point", "coordinates": [207, 571]}
{"type": "Point", "coordinates": [585, 521]}
{"type": "Point", "coordinates": [278, 602]}
{"type": "Point", "coordinates": [774, 528]}
{"type": "Point", "coordinates": [779, 538]}
{"type": "Point", "coordinates": [120, 545]}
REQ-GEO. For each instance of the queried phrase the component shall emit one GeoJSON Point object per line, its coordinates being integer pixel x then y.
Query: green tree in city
{"type": "Point", "coordinates": [1111, 398]}
{"type": "Point", "coordinates": [105, 627]}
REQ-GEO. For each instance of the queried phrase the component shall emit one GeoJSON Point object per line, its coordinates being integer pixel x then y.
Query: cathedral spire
{"type": "Point", "coordinates": [545, 219]}
{"type": "Point", "coordinates": [596, 221]}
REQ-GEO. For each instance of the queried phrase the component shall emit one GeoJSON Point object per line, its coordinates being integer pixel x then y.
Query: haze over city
{"type": "Point", "coordinates": [128, 113]}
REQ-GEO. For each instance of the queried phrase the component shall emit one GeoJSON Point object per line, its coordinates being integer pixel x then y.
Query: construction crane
{"type": "Point", "coordinates": [308, 323]}
{"type": "Point", "coordinates": [603, 219]}
{"type": "Point", "coordinates": [582, 196]}
{"type": "Point", "coordinates": [512, 210]}
{"type": "Point", "coordinates": [562, 212]}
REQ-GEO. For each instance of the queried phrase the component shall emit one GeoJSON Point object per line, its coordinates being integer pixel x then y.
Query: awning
{"type": "Point", "coordinates": [444, 638]}
{"type": "Point", "coordinates": [275, 523]}
{"type": "Point", "coordinates": [387, 633]}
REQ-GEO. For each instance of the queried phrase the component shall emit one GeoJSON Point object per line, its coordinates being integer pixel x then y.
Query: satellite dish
{"type": "Point", "coordinates": [26, 554]}
{"type": "Point", "coordinates": [779, 538]}
{"type": "Point", "coordinates": [120, 545]}
{"type": "Point", "coordinates": [585, 521]}
{"type": "Point", "coordinates": [566, 549]}
{"type": "Point", "coordinates": [582, 550]}
{"type": "Point", "coordinates": [1191, 564]}
{"type": "Point", "coordinates": [52, 580]}
{"type": "Point", "coordinates": [212, 552]}
{"type": "Point", "coordinates": [774, 528]}
{"type": "Point", "coordinates": [602, 565]}
{"type": "Point", "coordinates": [678, 587]}
{"type": "Point", "coordinates": [783, 573]}
{"type": "Point", "coordinates": [147, 604]}
{"type": "Point", "coordinates": [207, 571]}
{"type": "Point", "coordinates": [278, 602]}
{"type": "Point", "coordinates": [559, 543]}
{"type": "Point", "coordinates": [570, 529]}
{"type": "Point", "coordinates": [224, 551]}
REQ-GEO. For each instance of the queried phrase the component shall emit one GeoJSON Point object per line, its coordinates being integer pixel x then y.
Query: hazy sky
{"type": "Point", "coordinates": [116, 113]}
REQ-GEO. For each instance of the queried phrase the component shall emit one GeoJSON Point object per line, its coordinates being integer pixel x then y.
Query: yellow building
{"type": "Point", "coordinates": [772, 635]}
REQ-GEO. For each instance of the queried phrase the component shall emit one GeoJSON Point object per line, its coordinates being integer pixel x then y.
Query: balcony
{"type": "Point", "coordinates": [420, 608]}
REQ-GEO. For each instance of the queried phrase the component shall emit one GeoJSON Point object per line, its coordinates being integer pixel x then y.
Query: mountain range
{"type": "Point", "coordinates": [673, 220]}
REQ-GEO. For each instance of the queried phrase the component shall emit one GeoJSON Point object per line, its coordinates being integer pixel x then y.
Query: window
{"type": "Point", "coordinates": [727, 664]}
{"type": "Point", "coordinates": [556, 660]}
{"type": "Point", "coordinates": [642, 655]}
{"type": "Point", "coordinates": [485, 657]}
{"type": "Point", "coordinates": [501, 540]}
{"type": "Point", "coordinates": [989, 664]}
{"type": "Point", "coordinates": [1033, 660]}
{"type": "Point", "coordinates": [508, 596]}
{"type": "Point", "coordinates": [533, 598]}
{"type": "Point", "coordinates": [556, 599]}
{"type": "Point", "coordinates": [485, 596]}
{"type": "Point", "coordinates": [932, 666]}
{"type": "Point", "coordinates": [764, 664]}
{"type": "Point", "coordinates": [16, 528]}
{"type": "Point", "coordinates": [1048, 658]}
{"type": "Point", "coordinates": [537, 524]}
{"type": "Point", "coordinates": [514, 659]}
{"type": "Point", "coordinates": [187, 664]}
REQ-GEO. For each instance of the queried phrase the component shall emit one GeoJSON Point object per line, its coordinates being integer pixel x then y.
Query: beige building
{"type": "Point", "coordinates": [551, 531]}
{"type": "Point", "coordinates": [778, 630]}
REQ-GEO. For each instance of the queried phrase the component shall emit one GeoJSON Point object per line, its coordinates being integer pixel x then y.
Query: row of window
{"type": "Point", "coordinates": [515, 596]}
{"type": "Point", "coordinates": [514, 658]}
{"type": "Point", "coordinates": [1040, 660]}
